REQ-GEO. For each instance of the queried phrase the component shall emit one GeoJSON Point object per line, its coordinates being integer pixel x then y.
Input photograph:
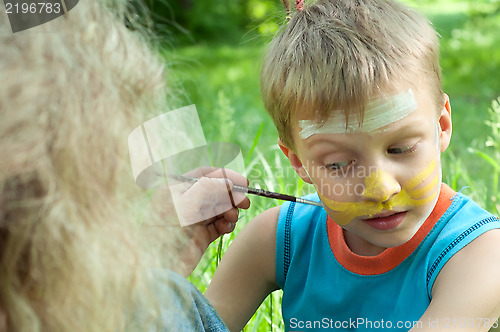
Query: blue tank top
{"type": "Point", "coordinates": [327, 287]}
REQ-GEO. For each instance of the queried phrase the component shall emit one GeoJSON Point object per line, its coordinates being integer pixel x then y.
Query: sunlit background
{"type": "Point", "coordinates": [213, 51]}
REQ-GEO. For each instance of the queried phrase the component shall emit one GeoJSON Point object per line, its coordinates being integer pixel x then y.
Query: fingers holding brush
{"type": "Point", "coordinates": [207, 209]}
{"type": "Point", "coordinates": [206, 195]}
{"type": "Point", "coordinates": [230, 177]}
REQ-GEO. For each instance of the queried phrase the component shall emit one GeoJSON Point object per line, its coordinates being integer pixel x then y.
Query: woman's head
{"type": "Point", "coordinates": [70, 257]}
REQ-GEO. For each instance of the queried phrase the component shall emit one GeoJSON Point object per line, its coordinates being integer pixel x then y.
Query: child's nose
{"type": "Point", "coordinates": [380, 186]}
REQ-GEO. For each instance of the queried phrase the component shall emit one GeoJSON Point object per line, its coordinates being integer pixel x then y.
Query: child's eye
{"type": "Point", "coordinates": [401, 150]}
{"type": "Point", "coordinates": [339, 165]}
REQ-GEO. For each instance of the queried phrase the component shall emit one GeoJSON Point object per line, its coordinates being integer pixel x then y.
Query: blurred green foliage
{"type": "Point", "coordinates": [194, 21]}
{"type": "Point", "coordinates": [214, 63]}
{"type": "Point", "coordinates": [470, 58]}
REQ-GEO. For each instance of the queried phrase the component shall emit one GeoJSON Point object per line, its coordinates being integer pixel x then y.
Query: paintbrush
{"type": "Point", "coordinates": [258, 192]}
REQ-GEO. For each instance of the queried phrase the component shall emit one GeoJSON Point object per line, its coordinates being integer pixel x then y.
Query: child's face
{"type": "Point", "coordinates": [382, 181]}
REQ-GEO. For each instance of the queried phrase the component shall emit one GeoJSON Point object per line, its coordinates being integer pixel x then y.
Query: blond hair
{"type": "Point", "coordinates": [70, 254]}
{"type": "Point", "coordinates": [337, 54]}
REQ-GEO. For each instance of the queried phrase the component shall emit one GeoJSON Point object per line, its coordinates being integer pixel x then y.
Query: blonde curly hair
{"type": "Point", "coordinates": [71, 255]}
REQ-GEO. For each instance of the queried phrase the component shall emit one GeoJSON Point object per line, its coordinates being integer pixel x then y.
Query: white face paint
{"type": "Point", "coordinates": [378, 113]}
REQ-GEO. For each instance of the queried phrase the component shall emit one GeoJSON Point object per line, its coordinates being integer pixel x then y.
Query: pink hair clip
{"type": "Point", "coordinates": [299, 5]}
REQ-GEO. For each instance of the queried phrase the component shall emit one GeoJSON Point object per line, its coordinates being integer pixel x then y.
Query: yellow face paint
{"type": "Point", "coordinates": [378, 184]}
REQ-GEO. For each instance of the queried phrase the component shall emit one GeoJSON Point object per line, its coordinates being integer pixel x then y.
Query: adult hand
{"type": "Point", "coordinates": [206, 208]}
{"type": "Point", "coordinates": [210, 199]}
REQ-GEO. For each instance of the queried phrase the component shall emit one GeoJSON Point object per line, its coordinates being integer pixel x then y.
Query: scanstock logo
{"type": "Point", "coordinates": [26, 14]}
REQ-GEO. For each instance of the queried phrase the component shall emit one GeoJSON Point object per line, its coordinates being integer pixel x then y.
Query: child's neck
{"type": "Point", "coordinates": [360, 246]}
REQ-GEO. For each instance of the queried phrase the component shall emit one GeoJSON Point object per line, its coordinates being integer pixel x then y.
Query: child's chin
{"type": "Point", "coordinates": [394, 244]}
{"type": "Point", "coordinates": [393, 240]}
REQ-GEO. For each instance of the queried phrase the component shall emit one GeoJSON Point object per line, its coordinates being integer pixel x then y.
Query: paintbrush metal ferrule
{"type": "Point", "coordinates": [307, 201]}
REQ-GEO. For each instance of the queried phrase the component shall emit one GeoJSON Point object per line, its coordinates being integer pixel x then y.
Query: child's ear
{"type": "Point", "coordinates": [445, 124]}
{"type": "Point", "coordinates": [294, 161]}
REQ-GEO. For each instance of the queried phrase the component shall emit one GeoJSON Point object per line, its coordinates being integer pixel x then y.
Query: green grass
{"type": "Point", "coordinates": [222, 80]}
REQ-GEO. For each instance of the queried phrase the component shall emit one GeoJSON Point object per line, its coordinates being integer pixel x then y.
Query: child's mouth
{"type": "Point", "coordinates": [386, 221]}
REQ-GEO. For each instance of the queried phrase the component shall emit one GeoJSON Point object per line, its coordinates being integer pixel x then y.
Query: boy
{"type": "Point", "coordinates": [354, 88]}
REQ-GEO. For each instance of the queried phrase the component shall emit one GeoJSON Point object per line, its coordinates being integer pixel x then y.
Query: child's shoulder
{"type": "Point", "coordinates": [462, 227]}
{"type": "Point", "coordinates": [466, 206]}
{"type": "Point", "coordinates": [463, 218]}
{"type": "Point", "coordinates": [259, 234]}
{"type": "Point", "coordinates": [472, 277]}
{"type": "Point", "coordinates": [265, 221]}
{"type": "Point", "coordinates": [246, 273]}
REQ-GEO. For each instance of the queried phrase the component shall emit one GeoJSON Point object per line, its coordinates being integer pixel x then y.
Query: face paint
{"type": "Point", "coordinates": [378, 114]}
{"type": "Point", "coordinates": [378, 185]}
{"type": "Point", "coordinates": [408, 196]}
